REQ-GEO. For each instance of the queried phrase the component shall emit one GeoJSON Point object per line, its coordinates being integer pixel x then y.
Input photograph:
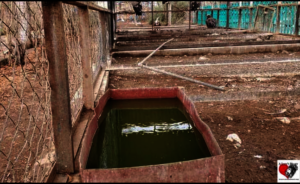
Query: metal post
{"type": "Point", "coordinates": [88, 97]}
{"type": "Point", "coordinates": [59, 83]}
{"type": "Point", "coordinates": [250, 18]}
{"type": "Point", "coordinates": [169, 14]}
{"type": "Point", "coordinates": [197, 18]}
{"type": "Point", "coordinates": [227, 21]}
{"type": "Point", "coordinates": [278, 20]}
{"type": "Point", "coordinates": [190, 16]}
{"type": "Point", "coordinates": [152, 15]}
{"type": "Point", "coordinates": [240, 19]}
{"type": "Point", "coordinates": [297, 21]}
{"type": "Point", "coordinates": [112, 8]}
{"type": "Point", "coordinates": [218, 18]}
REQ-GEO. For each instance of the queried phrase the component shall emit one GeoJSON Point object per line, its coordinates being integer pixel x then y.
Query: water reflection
{"type": "Point", "coordinates": [156, 127]}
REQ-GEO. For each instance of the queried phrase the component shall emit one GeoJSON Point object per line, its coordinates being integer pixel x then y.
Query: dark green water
{"type": "Point", "coordinates": [145, 132]}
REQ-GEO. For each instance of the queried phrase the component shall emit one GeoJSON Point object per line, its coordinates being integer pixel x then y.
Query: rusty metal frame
{"type": "Point", "coordinates": [203, 9]}
{"type": "Point", "coordinates": [87, 88]}
{"type": "Point", "coordinates": [59, 82]}
{"type": "Point", "coordinates": [87, 4]}
{"type": "Point", "coordinates": [58, 76]}
{"type": "Point", "coordinates": [187, 171]}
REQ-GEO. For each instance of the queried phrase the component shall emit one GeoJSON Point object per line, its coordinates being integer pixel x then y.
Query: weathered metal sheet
{"type": "Point", "coordinates": [202, 127]}
{"type": "Point", "coordinates": [91, 131]}
{"type": "Point", "coordinates": [140, 93]}
{"type": "Point", "coordinates": [200, 170]}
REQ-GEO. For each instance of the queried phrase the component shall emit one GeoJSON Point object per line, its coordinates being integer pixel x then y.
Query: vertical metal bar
{"type": "Point", "coordinates": [59, 82]}
{"type": "Point", "coordinates": [240, 18]}
{"type": "Point", "coordinates": [152, 15]}
{"type": "Point", "coordinates": [297, 20]}
{"type": "Point", "coordinates": [218, 18]}
{"type": "Point", "coordinates": [227, 21]}
{"type": "Point", "coordinates": [278, 19]}
{"type": "Point", "coordinates": [197, 18]}
{"type": "Point", "coordinates": [169, 14]}
{"type": "Point", "coordinates": [112, 8]}
{"type": "Point", "coordinates": [88, 97]}
{"type": "Point", "coordinates": [190, 16]}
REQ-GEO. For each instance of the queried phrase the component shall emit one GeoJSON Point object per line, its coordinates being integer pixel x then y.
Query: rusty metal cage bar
{"type": "Point", "coordinates": [47, 74]}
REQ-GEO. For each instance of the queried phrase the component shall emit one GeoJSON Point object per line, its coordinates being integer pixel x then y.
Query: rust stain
{"type": "Point", "coordinates": [210, 169]}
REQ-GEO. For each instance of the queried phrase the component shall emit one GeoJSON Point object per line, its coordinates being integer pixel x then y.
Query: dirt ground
{"type": "Point", "coordinates": [252, 120]}
{"type": "Point", "coordinates": [28, 122]}
{"type": "Point", "coordinates": [206, 58]}
{"type": "Point", "coordinates": [260, 135]}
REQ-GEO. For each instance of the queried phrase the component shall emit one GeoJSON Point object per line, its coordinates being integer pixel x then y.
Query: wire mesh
{"type": "Point", "coordinates": [73, 49]}
{"type": "Point", "coordinates": [287, 19]}
{"type": "Point", "coordinates": [234, 16]}
{"type": "Point", "coordinates": [26, 139]}
{"type": "Point", "coordinates": [96, 42]}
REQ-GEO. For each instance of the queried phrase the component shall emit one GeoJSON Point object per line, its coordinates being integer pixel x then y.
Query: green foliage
{"type": "Point", "coordinates": [179, 17]}
{"type": "Point", "coordinates": [162, 17]}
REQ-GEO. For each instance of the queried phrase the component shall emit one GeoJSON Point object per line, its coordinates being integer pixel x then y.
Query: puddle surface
{"type": "Point", "coordinates": [145, 132]}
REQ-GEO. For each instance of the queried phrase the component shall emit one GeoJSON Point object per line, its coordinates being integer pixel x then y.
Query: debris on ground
{"type": "Point", "coordinates": [284, 120]}
{"type": "Point", "coordinates": [229, 118]}
{"type": "Point", "coordinates": [203, 58]}
{"type": "Point", "coordinates": [281, 111]}
{"type": "Point", "coordinates": [262, 79]}
{"type": "Point", "coordinates": [285, 52]}
{"type": "Point", "coordinates": [262, 167]}
{"type": "Point", "coordinates": [257, 156]}
{"type": "Point", "coordinates": [242, 151]}
{"type": "Point", "coordinates": [290, 88]}
{"type": "Point", "coordinates": [297, 106]}
{"type": "Point", "coordinates": [234, 138]}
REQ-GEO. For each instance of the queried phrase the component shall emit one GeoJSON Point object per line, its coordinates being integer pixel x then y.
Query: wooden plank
{"type": "Point", "coordinates": [87, 4]}
{"type": "Point", "coordinates": [278, 20]}
{"type": "Point", "coordinates": [80, 129]}
{"type": "Point", "coordinates": [250, 19]}
{"type": "Point", "coordinates": [88, 99]}
{"type": "Point", "coordinates": [59, 83]}
{"type": "Point", "coordinates": [227, 17]}
{"type": "Point", "coordinates": [179, 46]}
{"type": "Point", "coordinates": [61, 178]}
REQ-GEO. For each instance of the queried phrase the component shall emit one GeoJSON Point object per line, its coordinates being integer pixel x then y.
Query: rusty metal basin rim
{"type": "Point", "coordinates": [210, 169]}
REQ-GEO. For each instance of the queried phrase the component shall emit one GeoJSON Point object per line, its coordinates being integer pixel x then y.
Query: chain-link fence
{"type": "Point", "coordinates": [72, 36]}
{"type": "Point", "coordinates": [26, 140]}
{"type": "Point", "coordinates": [27, 151]}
